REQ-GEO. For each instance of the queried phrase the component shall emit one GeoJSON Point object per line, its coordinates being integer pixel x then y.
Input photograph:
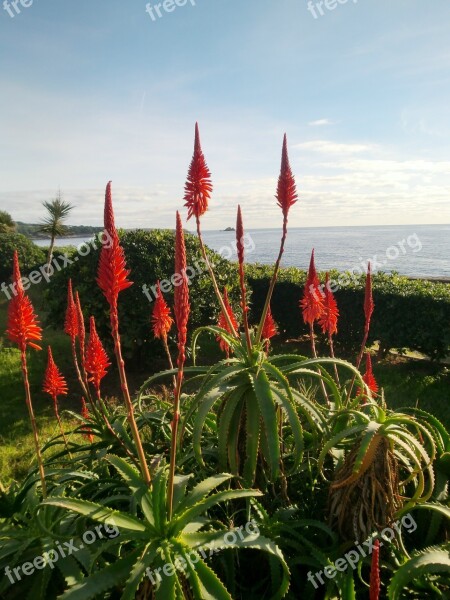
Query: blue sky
{"type": "Point", "coordinates": [95, 90]}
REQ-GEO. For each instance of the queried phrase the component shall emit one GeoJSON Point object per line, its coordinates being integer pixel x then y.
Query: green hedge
{"type": "Point", "coordinates": [409, 314]}
{"type": "Point", "coordinates": [30, 255]}
{"type": "Point", "coordinates": [149, 256]}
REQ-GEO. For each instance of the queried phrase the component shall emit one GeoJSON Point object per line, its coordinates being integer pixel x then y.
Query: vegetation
{"type": "Point", "coordinates": [150, 258]}
{"type": "Point", "coordinates": [31, 230]}
{"type": "Point", "coordinates": [7, 224]}
{"type": "Point", "coordinates": [30, 255]}
{"type": "Point", "coordinates": [410, 314]}
{"type": "Point", "coordinates": [263, 474]}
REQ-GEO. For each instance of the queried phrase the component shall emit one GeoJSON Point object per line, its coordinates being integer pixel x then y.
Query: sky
{"type": "Point", "coordinates": [93, 91]}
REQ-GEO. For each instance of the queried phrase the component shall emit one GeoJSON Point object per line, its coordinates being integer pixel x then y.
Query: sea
{"type": "Point", "coordinates": [413, 250]}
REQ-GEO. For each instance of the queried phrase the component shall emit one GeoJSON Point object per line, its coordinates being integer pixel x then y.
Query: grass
{"type": "Point", "coordinates": [406, 382]}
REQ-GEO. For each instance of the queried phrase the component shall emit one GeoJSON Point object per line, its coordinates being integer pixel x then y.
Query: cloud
{"type": "Point", "coordinates": [321, 123]}
{"type": "Point", "coordinates": [329, 147]}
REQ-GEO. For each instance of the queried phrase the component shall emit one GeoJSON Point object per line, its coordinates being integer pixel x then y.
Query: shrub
{"type": "Point", "coordinates": [150, 257]}
{"type": "Point", "coordinates": [413, 314]}
{"type": "Point", "coordinates": [30, 255]}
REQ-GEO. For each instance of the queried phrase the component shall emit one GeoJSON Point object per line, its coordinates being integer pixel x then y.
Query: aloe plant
{"type": "Point", "coordinates": [388, 465]}
{"type": "Point", "coordinates": [149, 541]}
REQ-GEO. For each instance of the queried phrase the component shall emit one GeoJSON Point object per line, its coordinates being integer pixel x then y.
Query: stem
{"type": "Point", "coordinates": [273, 281]}
{"type": "Point", "coordinates": [313, 346]}
{"type": "Point", "coordinates": [33, 421]}
{"type": "Point", "coordinates": [83, 379]}
{"type": "Point", "coordinates": [173, 446]}
{"type": "Point", "coordinates": [169, 358]}
{"type": "Point", "coordinates": [58, 418]}
{"type": "Point", "coordinates": [330, 340]}
{"type": "Point", "coordinates": [244, 306]}
{"type": "Point", "coordinates": [359, 359]}
{"type": "Point", "coordinates": [214, 282]}
{"type": "Point", "coordinates": [126, 395]}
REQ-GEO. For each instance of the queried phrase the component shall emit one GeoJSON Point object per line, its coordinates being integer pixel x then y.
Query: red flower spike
{"type": "Point", "coordinates": [181, 294]}
{"type": "Point", "coordinates": [54, 382]}
{"type": "Point", "coordinates": [329, 318]}
{"type": "Point", "coordinates": [112, 272]}
{"type": "Point", "coordinates": [22, 327]}
{"type": "Point", "coordinates": [270, 328]}
{"type": "Point", "coordinates": [85, 414]}
{"type": "Point", "coordinates": [368, 377]}
{"type": "Point", "coordinates": [286, 191]}
{"type": "Point", "coordinates": [312, 302]}
{"type": "Point", "coordinates": [161, 318]}
{"type": "Point", "coordinates": [198, 188]}
{"type": "Point", "coordinates": [96, 360]}
{"type": "Point", "coordinates": [223, 323]}
{"type": "Point", "coordinates": [240, 237]}
{"type": "Point", "coordinates": [81, 327]}
{"type": "Point", "coordinates": [71, 322]}
{"type": "Point", "coordinates": [375, 581]}
{"type": "Point", "coordinates": [368, 299]}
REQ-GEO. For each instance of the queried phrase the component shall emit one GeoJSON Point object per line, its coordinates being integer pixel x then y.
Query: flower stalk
{"type": "Point", "coordinates": [286, 196]}
{"type": "Point", "coordinates": [112, 279]}
{"type": "Point", "coordinates": [181, 309]}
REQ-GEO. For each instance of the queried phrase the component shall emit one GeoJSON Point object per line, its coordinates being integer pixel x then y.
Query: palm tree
{"type": "Point", "coordinates": [7, 225]}
{"type": "Point", "coordinates": [53, 225]}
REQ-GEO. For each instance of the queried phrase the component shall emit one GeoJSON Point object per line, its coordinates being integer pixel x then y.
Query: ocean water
{"type": "Point", "coordinates": [413, 250]}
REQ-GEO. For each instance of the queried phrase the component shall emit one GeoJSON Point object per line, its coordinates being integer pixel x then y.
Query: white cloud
{"type": "Point", "coordinates": [321, 123]}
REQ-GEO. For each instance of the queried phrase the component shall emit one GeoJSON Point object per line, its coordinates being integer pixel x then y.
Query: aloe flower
{"type": "Point", "coordinates": [330, 313]}
{"type": "Point", "coordinates": [198, 190]}
{"type": "Point", "coordinates": [162, 322]}
{"type": "Point", "coordinates": [161, 318]}
{"type": "Point", "coordinates": [81, 328]}
{"type": "Point", "coordinates": [368, 298]}
{"type": "Point", "coordinates": [23, 329]}
{"type": "Point", "coordinates": [312, 301]}
{"type": "Point", "coordinates": [96, 360]}
{"type": "Point", "coordinates": [112, 278]}
{"type": "Point", "coordinates": [329, 318]}
{"type": "Point", "coordinates": [286, 190]}
{"type": "Point", "coordinates": [71, 321]}
{"type": "Point", "coordinates": [198, 186]}
{"type": "Point", "coordinates": [181, 310]}
{"type": "Point", "coordinates": [112, 275]}
{"type": "Point", "coordinates": [368, 377]}
{"type": "Point", "coordinates": [55, 385]}
{"type": "Point", "coordinates": [287, 197]}
{"type": "Point", "coordinates": [368, 311]}
{"type": "Point", "coordinates": [223, 323]}
{"type": "Point", "coordinates": [270, 329]}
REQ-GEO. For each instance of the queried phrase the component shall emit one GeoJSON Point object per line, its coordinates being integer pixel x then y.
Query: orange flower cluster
{"type": "Point", "coordinates": [270, 328]}
{"type": "Point", "coordinates": [112, 272]}
{"type": "Point", "coordinates": [312, 301]}
{"type": "Point", "coordinates": [161, 318]}
{"type": "Point", "coordinates": [286, 191]}
{"type": "Point", "coordinates": [368, 377]}
{"type": "Point", "coordinates": [23, 328]}
{"type": "Point", "coordinates": [329, 317]}
{"type": "Point", "coordinates": [71, 322]}
{"type": "Point", "coordinates": [96, 360]}
{"type": "Point", "coordinates": [181, 299]}
{"type": "Point", "coordinates": [198, 186]}
{"type": "Point", "coordinates": [54, 382]}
